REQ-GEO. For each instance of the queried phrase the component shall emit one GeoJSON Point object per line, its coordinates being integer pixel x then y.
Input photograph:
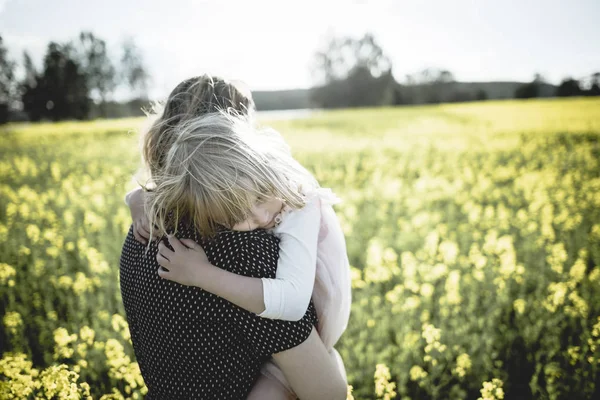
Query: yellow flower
{"type": "Point", "coordinates": [579, 306]}
{"type": "Point", "coordinates": [20, 376]}
{"type": "Point", "coordinates": [55, 171]}
{"type": "Point", "coordinates": [577, 271]}
{"type": "Point", "coordinates": [33, 233]}
{"type": "Point", "coordinates": [65, 282]}
{"type": "Point", "coordinates": [13, 321]}
{"type": "Point", "coordinates": [62, 343]}
{"type": "Point", "coordinates": [81, 284]}
{"type": "Point", "coordinates": [431, 334]}
{"type": "Point", "coordinates": [453, 296]}
{"type": "Point", "coordinates": [557, 257]}
{"type": "Point", "coordinates": [492, 390]}
{"type": "Point", "coordinates": [417, 373]}
{"type": "Point", "coordinates": [24, 251]}
{"type": "Point", "coordinates": [463, 365]}
{"type": "Point", "coordinates": [349, 393]}
{"type": "Point", "coordinates": [355, 276]}
{"type": "Point", "coordinates": [53, 251]}
{"type": "Point", "coordinates": [427, 290]}
{"type": "Point", "coordinates": [383, 387]}
{"type": "Point", "coordinates": [87, 334]}
{"type": "Point", "coordinates": [449, 252]}
{"type": "Point", "coordinates": [382, 263]}
{"type": "Point", "coordinates": [519, 305]}
{"type": "Point", "coordinates": [574, 353]}
{"type": "Point", "coordinates": [57, 381]}
{"type": "Point", "coordinates": [6, 273]}
{"type": "Point", "coordinates": [556, 298]}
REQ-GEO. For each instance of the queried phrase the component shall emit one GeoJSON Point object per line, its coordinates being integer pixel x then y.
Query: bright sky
{"type": "Point", "coordinates": [269, 44]}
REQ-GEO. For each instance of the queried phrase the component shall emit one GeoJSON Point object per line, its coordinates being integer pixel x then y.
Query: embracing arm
{"type": "Point", "coordinates": [188, 264]}
{"type": "Point", "coordinates": [243, 291]}
{"type": "Point", "coordinates": [286, 297]}
{"type": "Point", "coordinates": [135, 200]}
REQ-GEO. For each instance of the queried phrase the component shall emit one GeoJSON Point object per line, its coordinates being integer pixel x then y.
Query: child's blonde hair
{"type": "Point", "coordinates": [189, 99]}
{"type": "Point", "coordinates": [215, 170]}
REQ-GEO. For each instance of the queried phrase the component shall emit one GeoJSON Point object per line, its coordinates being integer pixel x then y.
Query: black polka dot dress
{"type": "Point", "coordinates": [191, 344]}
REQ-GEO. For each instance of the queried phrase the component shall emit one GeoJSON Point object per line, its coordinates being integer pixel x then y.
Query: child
{"type": "Point", "coordinates": [192, 97]}
{"type": "Point", "coordinates": [222, 172]}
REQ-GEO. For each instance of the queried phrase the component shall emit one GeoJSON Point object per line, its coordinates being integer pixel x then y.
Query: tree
{"type": "Point", "coordinates": [352, 73]}
{"type": "Point", "coordinates": [61, 91]}
{"type": "Point", "coordinates": [432, 76]}
{"type": "Point", "coordinates": [341, 55]}
{"type": "Point", "coordinates": [594, 89]}
{"type": "Point", "coordinates": [30, 70]}
{"type": "Point", "coordinates": [133, 71]}
{"type": "Point", "coordinates": [7, 83]}
{"type": "Point", "coordinates": [431, 83]}
{"type": "Point", "coordinates": [568, 87]}
{"type": "Point", "coordinates": [97, 67]}
{"type": "Point", "coordinates": [31, 96]}
{"type": "Point", "coordinates": [481, 95]}
{"type": "Point", "coordinates": [527, 91]}
{"type": "Point", "coordinates": [531, 89]}
{"type": "Point", "coordinates": [539, 78]}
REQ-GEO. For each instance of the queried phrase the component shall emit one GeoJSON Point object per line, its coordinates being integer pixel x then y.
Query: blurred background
{"type": "Point", "coordinates": [70, 59]}
{"type": "Point", "coordinates": [463, 137]}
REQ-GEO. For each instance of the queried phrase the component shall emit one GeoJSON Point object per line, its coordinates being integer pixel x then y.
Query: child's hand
{"type": "Point", "coordinates": [183, 265]}
{"type": "Point", "coordinates": [141, 224]}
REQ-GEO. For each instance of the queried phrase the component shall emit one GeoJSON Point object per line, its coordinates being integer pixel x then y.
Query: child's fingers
{"type": "Point", "coordinates": [163, 273]}
{"type": "Point", "coordinates": [190, 244]}
{"type": "Point", "coordinates": [137, 236]}
{"type": "Point", "coordinates": [164, 251]}
{"type": "Point", "coordinates": [157, 234]}
{"type": "Point", "coordinates": [175, 243]}
{"type": "Point", "coordinates": [144, 232]}
{"type": "Point", "coordinates": [162, 260]}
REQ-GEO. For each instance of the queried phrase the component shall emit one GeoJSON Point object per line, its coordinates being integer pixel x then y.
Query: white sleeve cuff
{"type": "Point", "coordinates": [273, 299]}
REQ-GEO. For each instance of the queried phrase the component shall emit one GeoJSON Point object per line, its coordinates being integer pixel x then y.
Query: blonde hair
{"type": "Point", "coordinates": [216, 168]}
{"type": "Point", "coordinates": [191, 98]}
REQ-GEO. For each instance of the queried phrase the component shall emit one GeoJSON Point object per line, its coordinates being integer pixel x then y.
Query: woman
{"type": "Point", "coordinates": [188, 106]}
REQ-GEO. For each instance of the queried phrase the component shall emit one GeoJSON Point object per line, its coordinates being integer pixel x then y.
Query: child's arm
{"type": "Point", "coordinates": [141, 227]}
{"type": "Point", "coordinates": [282, 298]}
{"type": "Point", "coordinates": [287, 297]}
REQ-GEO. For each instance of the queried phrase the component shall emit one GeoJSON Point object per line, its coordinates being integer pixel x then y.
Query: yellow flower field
{"type": "Point", "coordinates": [473, 232]}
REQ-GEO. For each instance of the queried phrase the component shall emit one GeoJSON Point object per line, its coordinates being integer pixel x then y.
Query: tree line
{"type": "Point", "coordinates": [356, 72]}
{"type": "Point", "coordinates": [568, 87]}
{"type": "Point", "coordinates": [79, 78]}
{"type": "Point", "coordinates": [76, 81]}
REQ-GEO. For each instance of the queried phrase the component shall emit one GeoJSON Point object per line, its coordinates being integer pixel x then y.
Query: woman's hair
{"type": "Point", "coordinates": [190, 99]}
{"type": "Point", "coordinates": [216, 168]}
